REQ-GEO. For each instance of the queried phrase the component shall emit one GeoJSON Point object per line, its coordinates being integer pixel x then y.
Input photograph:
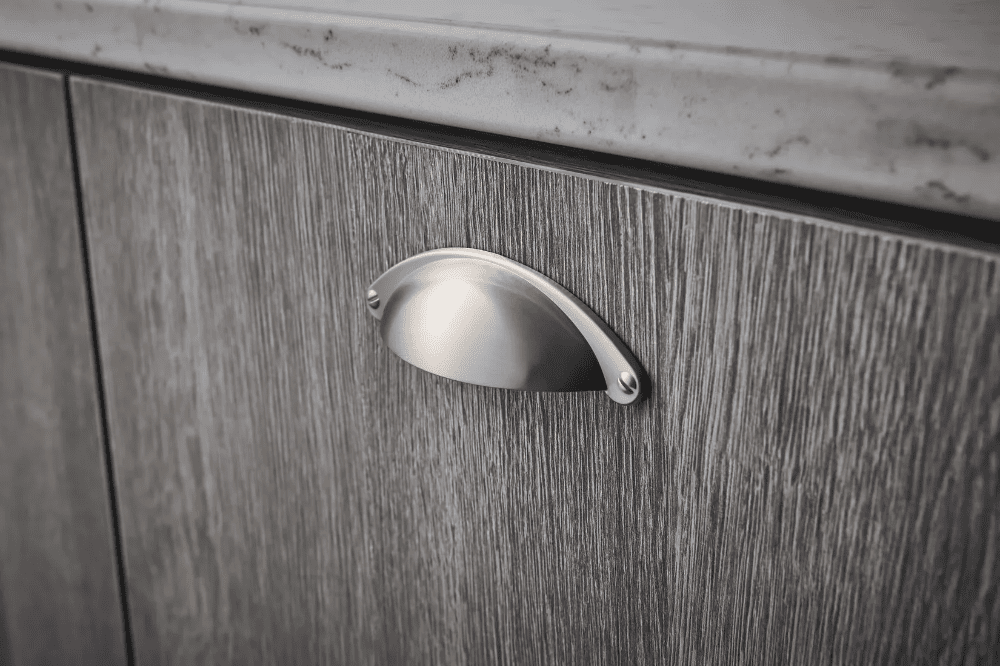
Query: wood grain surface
{"type": "Point", "coordinates": [59, 599]}
{"type": "Point", "coordinates": [814, 479]}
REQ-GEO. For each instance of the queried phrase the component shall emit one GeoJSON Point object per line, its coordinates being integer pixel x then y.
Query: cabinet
{"type": "Point", "coordinates": [814, 478]}
{"type": "Point", "coordinates": [59, 596]}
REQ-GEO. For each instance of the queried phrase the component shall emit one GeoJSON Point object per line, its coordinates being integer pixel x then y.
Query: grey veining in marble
{"type": "Point", "coordinates": [905, 111]}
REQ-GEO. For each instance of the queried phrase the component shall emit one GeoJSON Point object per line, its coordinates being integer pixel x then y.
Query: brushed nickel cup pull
{"type": "Point", "coordinates": [480, 318]}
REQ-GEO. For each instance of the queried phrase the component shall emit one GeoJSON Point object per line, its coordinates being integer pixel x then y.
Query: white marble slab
{"type": "Point", "coordinates": [847, 104]}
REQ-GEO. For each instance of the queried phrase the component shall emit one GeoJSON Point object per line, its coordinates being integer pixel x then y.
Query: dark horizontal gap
{"type": "Point", "coordinates": [873, 214]}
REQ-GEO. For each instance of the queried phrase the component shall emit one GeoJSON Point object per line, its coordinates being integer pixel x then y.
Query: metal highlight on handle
{"type": "Point", "coordinates": [480, 318]}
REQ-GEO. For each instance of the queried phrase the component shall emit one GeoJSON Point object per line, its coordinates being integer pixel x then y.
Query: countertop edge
{"type": "Point", "coordinates": [917, 134]}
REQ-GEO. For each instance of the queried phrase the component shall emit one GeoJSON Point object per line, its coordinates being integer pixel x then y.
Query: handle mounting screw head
{"type": "Point", "coordinates": [627, 383]}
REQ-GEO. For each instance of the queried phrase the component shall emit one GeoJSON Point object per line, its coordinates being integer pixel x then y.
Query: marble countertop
{"type": "Point", "coordinates": [897, 100]}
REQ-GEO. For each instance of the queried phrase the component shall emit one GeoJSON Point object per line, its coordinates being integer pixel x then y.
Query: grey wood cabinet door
{"type": "Point", "coordinates": [59, 597]}
{"type": "Point", "coordinates": [813, 480]}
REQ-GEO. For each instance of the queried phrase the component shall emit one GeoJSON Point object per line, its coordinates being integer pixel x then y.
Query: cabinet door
{"type": "Point", "coordinates": [59, 600]}
{"type": "Point", "coordinates": [813, 479]}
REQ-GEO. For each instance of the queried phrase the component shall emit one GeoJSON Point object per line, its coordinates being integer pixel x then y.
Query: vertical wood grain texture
{"type": "Point", "coordinates": [813, 481]}
{"type": "Point", "coordinates": [59, 599]}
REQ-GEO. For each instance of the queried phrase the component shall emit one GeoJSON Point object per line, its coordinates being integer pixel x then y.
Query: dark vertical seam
{"type": "Point", "coordinates": [99, 375]}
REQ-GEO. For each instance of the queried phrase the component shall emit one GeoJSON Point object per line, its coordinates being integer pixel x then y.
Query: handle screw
{"type": "Point", "coordinates": [627, 383]}
{"type": "Point", "coordinates": [373, 300]}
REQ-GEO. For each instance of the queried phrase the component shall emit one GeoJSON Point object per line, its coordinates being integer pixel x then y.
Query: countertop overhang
{"type": "Point", "coordinates": [846, 107]}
